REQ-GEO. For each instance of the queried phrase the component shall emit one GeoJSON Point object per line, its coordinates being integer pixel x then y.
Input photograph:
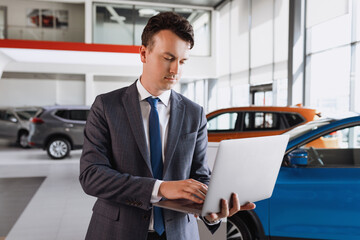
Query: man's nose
{"type": "Point", "coordinates": [175, 67]}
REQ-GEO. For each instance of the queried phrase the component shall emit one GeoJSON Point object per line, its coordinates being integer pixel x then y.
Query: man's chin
{"type": "Point", "coordinates": [170, 83]}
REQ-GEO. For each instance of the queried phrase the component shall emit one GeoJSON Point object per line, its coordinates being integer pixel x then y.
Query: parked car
{"type": "Point", "coordinates": [317, 193]}
{"type": "Point", "coordinates": [58, 129]}
{"type": "Point", "coordinates": [14, 124]}
{"type": "Point", "coordinates": [256, 121]}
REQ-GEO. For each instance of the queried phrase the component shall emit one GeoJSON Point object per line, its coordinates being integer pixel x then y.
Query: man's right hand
{"type": "Point", "coordinates": [186, 189]}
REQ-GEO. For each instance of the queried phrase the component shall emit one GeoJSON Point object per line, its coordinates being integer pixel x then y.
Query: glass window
{"type": "Point", "coordinates": [259, 98]}
{"type": "Point", "coordinates": [200, 20]}
{"type": "Point", "coordinates": [26, 115]}
{"type": "Point", "coordinates": [79, 115]}
{"type": "Point", "coordinates": [123, 24]}
{"type": "Point", "coordinates": [114, 24]}
{"type": "Point", "coordinates": [223, 122]}
{"type": "Point", "coordinates": [63, 114]}
{"type": "Point", "coordinates": [188, 91]}
{"type": "Point", "coordinates": [142, 15]}
{"type": "Point", "coordinates": [10, 117]}
{"type": "Point", "coordinates": [199, 92]}
{"type": "Point", "coordinates": [293, 119]}
{"type": "Point", "coordinates": [258, 121]}
{"type": "Point", "coordinates": [2, 22]}
{"type": "Point", "coordinates": [338, 148]}
{"type": "Point", "coordinates": [2, 114]}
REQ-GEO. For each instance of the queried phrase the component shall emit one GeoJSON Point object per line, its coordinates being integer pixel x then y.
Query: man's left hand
{"type": "Point", "coordinates": [226, 212]}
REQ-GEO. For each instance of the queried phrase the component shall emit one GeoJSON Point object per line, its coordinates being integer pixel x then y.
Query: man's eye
{"type": "Point", "coordinates": [182, 62]}
{"type": "Point", "coordinates": [168, 59]}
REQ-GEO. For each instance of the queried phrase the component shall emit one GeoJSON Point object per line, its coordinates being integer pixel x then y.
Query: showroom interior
{"type": "Point", "coordinates": [266, 53]}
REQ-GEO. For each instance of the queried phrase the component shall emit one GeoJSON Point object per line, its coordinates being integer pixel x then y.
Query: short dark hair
{"type": "Point", "coordinates": [167, 21]}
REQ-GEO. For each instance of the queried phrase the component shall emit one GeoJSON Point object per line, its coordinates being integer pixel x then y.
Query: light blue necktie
{"type": "Point", "coordinates": [156, 157]}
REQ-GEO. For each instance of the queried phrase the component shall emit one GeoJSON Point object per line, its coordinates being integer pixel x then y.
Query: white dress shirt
{"type": "Point", "coordinates": [163, 109]}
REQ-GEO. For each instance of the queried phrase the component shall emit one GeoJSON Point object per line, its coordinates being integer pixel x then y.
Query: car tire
{"type": "Point", "coordinates": [23, 140]}
{"type": "Point", "coordinates": [237, 229]}
{"type": "Point", "coordinates": [58, 148]}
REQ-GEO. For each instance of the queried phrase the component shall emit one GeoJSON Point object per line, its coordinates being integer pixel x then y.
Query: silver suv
{"type": "Point", "coordinates": [58, 129]}
{"type": "Point", "coordinates": [14, 124]}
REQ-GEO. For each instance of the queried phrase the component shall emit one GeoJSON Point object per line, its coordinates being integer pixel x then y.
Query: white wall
{"type": "Point", "coordinates": [29, 92]}
{"type": "Point", "coordinates": [4, 60]}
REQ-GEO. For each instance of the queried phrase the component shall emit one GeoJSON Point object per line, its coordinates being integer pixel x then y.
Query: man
{"type": "Point", "coordinates": [146, 142]}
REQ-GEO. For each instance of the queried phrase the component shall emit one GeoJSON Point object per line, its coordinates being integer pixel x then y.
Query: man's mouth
{"type": "Point", "coordinates": [171, 78]}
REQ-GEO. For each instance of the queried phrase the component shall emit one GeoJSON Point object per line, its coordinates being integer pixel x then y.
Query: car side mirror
{"type": "Point", "coordinates": [13, 119]}
{"type": "Point", "coordinates": [298, 157]}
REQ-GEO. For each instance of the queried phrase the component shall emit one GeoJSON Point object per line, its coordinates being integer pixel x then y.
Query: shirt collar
{"type": "Point", "coordinates": [143, 94]}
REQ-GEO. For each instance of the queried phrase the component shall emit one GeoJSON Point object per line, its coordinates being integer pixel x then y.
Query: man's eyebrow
{"type": "Point", "coordinates": [173, 56]}
{"type": "Point", "coordinates": [170, 54]}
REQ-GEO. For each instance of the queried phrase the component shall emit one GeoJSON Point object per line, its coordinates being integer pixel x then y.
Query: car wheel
{"type": "Point", "coordinates": [58, 148]}
{"type": "Point", "coordinates": [23, 140]}
{"type": "Point", "coordinates": [237, 229]}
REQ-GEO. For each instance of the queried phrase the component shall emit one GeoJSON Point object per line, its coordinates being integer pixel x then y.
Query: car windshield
{"type": "Point", "coordinates": [300, 130]}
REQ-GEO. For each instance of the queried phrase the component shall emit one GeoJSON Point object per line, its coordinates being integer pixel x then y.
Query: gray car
{"type": "Point", "coordinates": [14, 124]}
{"type": "Point", "coordinates": [58, 129]}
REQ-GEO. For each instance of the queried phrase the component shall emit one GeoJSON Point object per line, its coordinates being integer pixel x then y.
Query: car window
{"type": "Point", "coordinates": [9, 117]}
{"type": "Point", "coordinates": [62, 113]}
{"type": "Point", "coordinates": [79, 115]}
{"type": "Point", "coordinates": [2, 114]}
{"type": "Point", "coordinates": [259, 121]}
{"type": "Point", "coordinates": [293, 119]}
{"type": "Point", "coordinates": [26, 115]}
{"type": "Point", "coordinates": [302, 129]}
{"type": "Point", "coordinates": [223, 122]}
{"type": "Point", "coordinates": [338, 148]}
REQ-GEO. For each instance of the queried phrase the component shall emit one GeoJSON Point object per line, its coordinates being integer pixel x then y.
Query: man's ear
{"type": "Point", "coordinates": [143, 53]}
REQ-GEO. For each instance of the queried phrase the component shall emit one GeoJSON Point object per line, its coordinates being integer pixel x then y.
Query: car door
{"type": "Point", "coordinates": [77, 124]}
{"type": "Point", "coordinates": [320, 201]}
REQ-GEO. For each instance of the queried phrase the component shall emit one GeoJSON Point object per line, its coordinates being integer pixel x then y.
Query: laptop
{"type": "Point", "coordinates": [247, 166]}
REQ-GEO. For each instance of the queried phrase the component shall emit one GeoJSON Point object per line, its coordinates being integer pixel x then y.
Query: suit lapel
{"type": "Point", "coordinates": [177, 113]}
{"type": "Point", "coordinates": [132, 108]}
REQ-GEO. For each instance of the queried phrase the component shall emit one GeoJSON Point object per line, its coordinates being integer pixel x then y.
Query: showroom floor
{"type": "Point", "coordinates": [41, 198]}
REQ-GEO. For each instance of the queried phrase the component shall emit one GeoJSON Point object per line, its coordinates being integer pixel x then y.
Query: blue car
{"type": "Point", "coordinates": [317, 193]}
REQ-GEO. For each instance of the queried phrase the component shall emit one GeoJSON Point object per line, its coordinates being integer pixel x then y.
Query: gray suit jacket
{"type": "Point", "coordinates": [115, 165]}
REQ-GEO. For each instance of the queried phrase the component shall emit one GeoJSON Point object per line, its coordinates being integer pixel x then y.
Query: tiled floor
{"type": "Point", "coordinates": [16, 193]}
{"type": "Point", "coordinates": [59, 209]}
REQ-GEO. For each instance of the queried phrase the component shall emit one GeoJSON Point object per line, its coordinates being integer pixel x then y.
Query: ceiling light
{"type": "Point", "coordinates": [147, 12]}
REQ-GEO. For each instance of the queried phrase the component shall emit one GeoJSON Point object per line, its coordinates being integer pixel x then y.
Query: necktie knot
{"type": "Point", "coordinates": [153, 101]}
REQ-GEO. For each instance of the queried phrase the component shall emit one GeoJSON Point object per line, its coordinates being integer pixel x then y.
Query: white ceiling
{"type": "Point", "coordinates": [203, 3]}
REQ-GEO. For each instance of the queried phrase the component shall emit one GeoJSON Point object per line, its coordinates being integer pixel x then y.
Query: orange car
{"type": "Point", "coordinates": [256, 121]}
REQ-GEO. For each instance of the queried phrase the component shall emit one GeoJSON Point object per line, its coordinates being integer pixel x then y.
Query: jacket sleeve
{"type": "Point", "coordinates": [98, 177]}
{"type": "Point", "coordinates": [199, 169]}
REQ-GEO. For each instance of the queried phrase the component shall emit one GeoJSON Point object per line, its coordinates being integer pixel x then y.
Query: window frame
{"type": "Point", "coordinates": [237, 123]}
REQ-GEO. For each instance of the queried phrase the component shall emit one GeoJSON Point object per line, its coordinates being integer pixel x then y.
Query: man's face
{"type": "Point", "coordinates": [163, 61]}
